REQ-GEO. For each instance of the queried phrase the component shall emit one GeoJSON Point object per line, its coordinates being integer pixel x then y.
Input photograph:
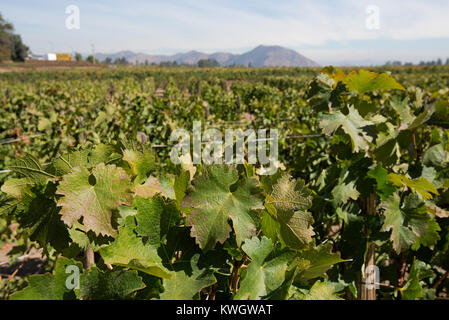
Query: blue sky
{"type": "Point", "coordinates": [332, 31]}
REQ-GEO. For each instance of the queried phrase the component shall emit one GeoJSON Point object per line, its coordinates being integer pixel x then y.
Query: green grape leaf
{"type": "Point", "coordinates": [43, 223]}
{"type": "Point", "coordinates": [103, 153]}
{"type": "Point", "coordinates": [88, 158]}
{"type": "Point", "coordinates": [141, 163]}
{"type": "Point", "coordinates": [351, 124]}
{"type": "Point", "coordinates": [383, 185]}
{"type": "Point", "coordinates": [151, 187]}
{"type": "Point", "coordinates": [320, 259]}
{"type": "Point", "coordinates": [410, 225]}
{"type": "Point", "coordinates": [324, 89]}
{"type": "Point", "coordinates": [342, 192]}
{"type": "Point", "coordinates": [263, 275]}
{"type": "Point", "coordinates": [413, 289]}
{"type": "Point", "coordinates": [401, 236]}
{"type": "Point", "coordinates": [16, 187]}
{"type": "Point", "coordinates": [436, 156]}
{"type": "Point", "coordinates": [214, 204]}
{"type": "Point", "coordinates": [321, 290]}
{"type": "Point", "coordinates": [154, 218]}
{"type": "Point", "coordinates": [420, 186]}
{"type": "Point", "coordinates": [49, 286]}
{"type": "Point", "coordinates": [30, 168]}
{"type": "Point", "coordinates": [65, 163]}
{"type": "Point", "coordinates": [288, 203]}
{"type": "Point", "coordinates": [109, 285]}
{"type": "Point", "coordinates": [186, 286]}
{"type": "Point", "coordinates": [128, 250]}
{"type": "Point", "coordinates": [93, 196]}
{"type": "Point", "coordinates": [182, 182]}
{"type": "Point", "coordinates": [403, 110]}
{"type": "Point", "coordinates": [366, 81]}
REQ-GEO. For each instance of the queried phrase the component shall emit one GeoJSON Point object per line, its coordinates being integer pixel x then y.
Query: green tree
{"type": "Point", "coordinates": [5, 44]}
{"type": "Point", "coordinates": [19, 50]}
{"type": "Point", "coordinates": [90, 58]}
{"type": "Point", "coordinates": [11, 46]}
{"type": "Point", "coordinates": [78, 56]}
{"type": "Point", "coordinates": [108, 60]}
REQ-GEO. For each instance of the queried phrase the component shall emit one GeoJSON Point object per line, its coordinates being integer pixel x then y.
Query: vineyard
{"type": "Point", "coordinates": [358, 206]}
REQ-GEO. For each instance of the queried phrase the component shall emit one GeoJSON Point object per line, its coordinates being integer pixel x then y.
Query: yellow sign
{"type": "Point", "coordinates": [63, 57]}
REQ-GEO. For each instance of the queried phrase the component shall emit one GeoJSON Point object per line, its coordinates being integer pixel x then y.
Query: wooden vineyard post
{"type": "Point", "coordinates": [90, 257]}
{"type": "Point", "coordinates": [367, 287]}
{"type": "Point", "coordinates": [206, 110]}
{"type": "Point", "coordinates": [81, 124]}
{"type": "Point", "coordinates": [238, 104]}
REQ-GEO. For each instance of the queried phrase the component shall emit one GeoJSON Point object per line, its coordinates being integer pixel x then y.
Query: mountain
{"type": "Point", "coordinates": [261, 56]}
{"type": "Point", "coordinates": [122, 54]}
{"type": "Point", "coordinates": [273, 56]}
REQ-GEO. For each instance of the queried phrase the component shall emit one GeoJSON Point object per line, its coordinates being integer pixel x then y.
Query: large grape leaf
{"type": "Point", "coordinates": [154, 217]}
{"type": "Point", "coordinates": [410, 224]}
{"type": "Point", "coordinates": [351, 124]}
{"type": "Point", "coordinates": [111, 284]}
{"type": "Point", "coordinates": [288, 202]}
{"type": "Point", "coordinates": [366, 81]}
{"type": "Point", "coordinates": [49, 286]}
{"type": "Point", "coordinates": [185, 286]}
{"type": "Point", "coordinates": [319, 260]}
{"type": "Point", "coordinates": [214, 204]}
{"type": "Point", "coordinates": [263, 276]}
{"type": "Point", "coordinates": [128, 250]}
{"type": "Point", "coordinates": [93, 196]}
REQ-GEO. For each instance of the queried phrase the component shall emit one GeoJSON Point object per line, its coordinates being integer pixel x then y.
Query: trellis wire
{"type": "Point", "coordinates": [11, 140]}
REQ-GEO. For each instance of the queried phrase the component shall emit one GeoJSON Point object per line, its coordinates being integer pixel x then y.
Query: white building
{"type": "Point", "coordinates": [50, 57]}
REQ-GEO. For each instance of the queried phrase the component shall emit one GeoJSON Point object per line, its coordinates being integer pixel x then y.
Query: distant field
{"type": "Point", "coordinates": [43, 65]}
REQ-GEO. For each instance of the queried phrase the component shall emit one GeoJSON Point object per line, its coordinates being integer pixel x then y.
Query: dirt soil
{"type": "Point", "coordinates": [32, 263]}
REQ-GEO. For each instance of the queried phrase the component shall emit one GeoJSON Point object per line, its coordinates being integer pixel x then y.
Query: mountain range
{"type": "Point", "coordinates": [261, 56]}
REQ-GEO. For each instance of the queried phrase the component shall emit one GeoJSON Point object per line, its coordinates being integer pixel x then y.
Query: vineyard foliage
{"type": "Point", "coordinates": [362, 178]}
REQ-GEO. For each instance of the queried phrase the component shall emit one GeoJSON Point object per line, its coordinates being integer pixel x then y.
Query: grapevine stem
{"type": "Point", "coordinates": [90, 258]}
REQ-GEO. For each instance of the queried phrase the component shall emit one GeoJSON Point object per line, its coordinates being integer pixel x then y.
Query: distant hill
{"type": "Point", "coordinates": [261, 56]}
